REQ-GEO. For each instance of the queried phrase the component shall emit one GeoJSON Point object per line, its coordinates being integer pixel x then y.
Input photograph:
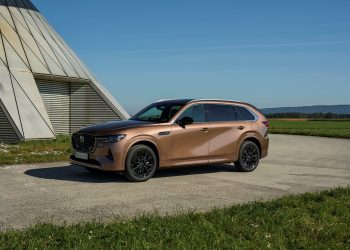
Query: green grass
{"type": "Point", "coordinates": [36, 151]}
{"type": "Point", "coordinates": [337, 129]}
{"type": "Point", "coordinates": [307, 221]}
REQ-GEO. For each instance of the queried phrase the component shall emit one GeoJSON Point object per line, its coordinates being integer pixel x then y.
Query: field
{"type": "Point", "coordinates": [327, 128]}
{"type": "Point", "coordinates": [307, 221]}
{"type": "Point", "coordinates": [36, 151]}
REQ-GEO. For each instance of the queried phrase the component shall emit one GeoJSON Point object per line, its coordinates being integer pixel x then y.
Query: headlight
{"type": "Point", "coordinates": [115, 138]}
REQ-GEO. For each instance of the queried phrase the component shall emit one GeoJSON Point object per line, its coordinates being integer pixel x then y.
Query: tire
{"type": "Point", "coordinates": [249, 156]}
{"type": "Point", "coordinates": [141, 163]}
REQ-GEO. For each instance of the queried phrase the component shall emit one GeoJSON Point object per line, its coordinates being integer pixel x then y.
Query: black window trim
{"type": "Point", "coordinates": [253, 113]}
{"type": "Point", "coordinates": [234, 105]}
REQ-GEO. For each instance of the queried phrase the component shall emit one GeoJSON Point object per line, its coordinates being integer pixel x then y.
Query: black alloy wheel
{"type": "Point", "coordinates": [249, 156]}
{"type": "Point", "coordinates": [141, 163]}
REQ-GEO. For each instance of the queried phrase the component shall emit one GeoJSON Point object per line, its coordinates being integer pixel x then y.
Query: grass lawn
{"type": "Point", "coordinates": [307, 221]}
{"type": "Point", "coordinates": [327, 128]}
{"type": "Point", "coordinates": [36, 151]}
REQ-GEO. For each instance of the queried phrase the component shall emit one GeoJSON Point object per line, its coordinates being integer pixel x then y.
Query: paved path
{"type": "Point", "coordinates": [57, 192]}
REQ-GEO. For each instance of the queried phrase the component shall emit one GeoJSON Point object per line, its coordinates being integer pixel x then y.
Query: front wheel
{"type": "Point", "coordinates": [141, 163]}
{"type": "Point", "coordinates": [249, 156]}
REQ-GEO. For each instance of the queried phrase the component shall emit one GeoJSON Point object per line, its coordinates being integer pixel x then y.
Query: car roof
{"type": "Point", "coordinates": [185, 101]}
{"type": "Point", "coordinates": [215, 100]}
{"type": "Point", "coordinates": [180, 101]}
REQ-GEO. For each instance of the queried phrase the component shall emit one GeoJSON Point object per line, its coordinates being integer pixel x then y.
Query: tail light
{"type": "Point", "coordinates": [266, 123]}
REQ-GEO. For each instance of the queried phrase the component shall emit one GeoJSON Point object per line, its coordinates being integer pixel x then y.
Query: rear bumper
{"type": "Point", "coordinates": [265, 147]}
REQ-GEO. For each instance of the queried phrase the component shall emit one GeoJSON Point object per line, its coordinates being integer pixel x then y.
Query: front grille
{"type": "Point", "coordinates": [83, 143]}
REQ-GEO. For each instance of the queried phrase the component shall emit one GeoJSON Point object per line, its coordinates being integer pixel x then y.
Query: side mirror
{"type": "Point", "coordinates": [185, 121]}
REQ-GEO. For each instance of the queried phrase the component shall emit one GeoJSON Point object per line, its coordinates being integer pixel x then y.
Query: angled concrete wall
{"type": "Point", "coordinates": [30, 49]}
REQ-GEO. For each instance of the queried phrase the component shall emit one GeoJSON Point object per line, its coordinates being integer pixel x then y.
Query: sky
{"type": "Point", "coordinates": [269, 53]}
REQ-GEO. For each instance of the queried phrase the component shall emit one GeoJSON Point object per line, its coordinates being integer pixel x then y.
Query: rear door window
{"type": "Point", "coordinates": [244, 114]}
{"type": "Point", "coordinates": [221, 113]}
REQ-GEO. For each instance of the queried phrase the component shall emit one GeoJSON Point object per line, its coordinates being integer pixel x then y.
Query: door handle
{"type": "Point", "coordinates": [205, 130]}
{"type": "Point", "coordinates": [241, 127]}
{"type": "Point", "coordinates": [164, 133]}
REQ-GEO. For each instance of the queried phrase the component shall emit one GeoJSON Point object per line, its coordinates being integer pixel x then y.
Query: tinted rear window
{"type": "Point", "coordinates": [245, 114]}
{"type": "Point", "coordinates": [221, 113]}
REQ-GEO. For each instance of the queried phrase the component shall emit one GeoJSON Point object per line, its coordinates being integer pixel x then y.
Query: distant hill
{"type": "Point", "coordinates": [335, 109]}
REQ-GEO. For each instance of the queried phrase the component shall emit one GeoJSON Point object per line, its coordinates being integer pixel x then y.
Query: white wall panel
{"type": "Point", "coordinates": [13, 39]}
{"type": "Point", "coordinates": [35, 63]}
{"type": "Point", "coordinates": [34, 56]}
{"type": "Point", "coordinates": [2, 53]}
{"type": "Point", "coordinates": [8, 98]}
{"type": "Point", "coordinates": [27, 82]}
{"type": "Point", "coordinates": [4, 12]}
{"type": "Point", "coordinates": [14, 61]}
{"type": "Point", "coordinates": [34, 126]}
{"type": "Point", "coordinates": [2, 66]}
{"type": "Point", "coordinates": [46, 51]}
{"type": "Point", "coordinates": [73, 59]}
{"type": "Point", "coordinates": [55, 48]}
{"type": "Point", "coordinates": [3, 60]}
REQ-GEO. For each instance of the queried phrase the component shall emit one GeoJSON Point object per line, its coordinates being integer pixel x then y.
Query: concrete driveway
{"type": "Point", "coordinates": [58, 192]}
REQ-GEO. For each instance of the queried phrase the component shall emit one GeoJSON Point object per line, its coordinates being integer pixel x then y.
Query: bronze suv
{"type": "Point", "coordinates": [173, 133]}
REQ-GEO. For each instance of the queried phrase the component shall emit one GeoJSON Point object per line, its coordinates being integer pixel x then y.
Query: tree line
{"type": "Point", "coordinates": [311, 115]}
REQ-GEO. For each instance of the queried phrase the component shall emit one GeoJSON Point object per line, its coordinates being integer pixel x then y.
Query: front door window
{"type": "Point", "coordinates": [196, 112]}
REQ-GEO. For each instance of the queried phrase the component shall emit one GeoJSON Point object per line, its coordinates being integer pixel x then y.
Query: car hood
{"type": "Point", "coordinates": [111, 127]}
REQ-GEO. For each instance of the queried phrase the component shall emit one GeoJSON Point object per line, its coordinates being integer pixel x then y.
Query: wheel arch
{"type": "Point", "coordinates": [255, 140]}
{"type": "Point", "coordinates": [146, 142]}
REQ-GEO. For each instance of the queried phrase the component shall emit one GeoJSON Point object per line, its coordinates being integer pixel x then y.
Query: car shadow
{"type": "Point", "coordinates": [79, 174]}
{"type": "Point", "coordinates": [75, 174]}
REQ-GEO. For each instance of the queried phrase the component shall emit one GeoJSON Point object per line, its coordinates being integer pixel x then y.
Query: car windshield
{"type": "Point", "coordinates": [158, 112]}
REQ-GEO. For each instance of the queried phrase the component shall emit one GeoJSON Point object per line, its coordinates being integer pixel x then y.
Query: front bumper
{"type": "Point", "coordinates": [82, 163]}
{"type": "Point", "coordinates": [105, 156]}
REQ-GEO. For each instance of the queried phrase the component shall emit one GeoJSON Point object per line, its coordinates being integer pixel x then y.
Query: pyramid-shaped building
{"type": "Point", "coordinates": [45, 89]}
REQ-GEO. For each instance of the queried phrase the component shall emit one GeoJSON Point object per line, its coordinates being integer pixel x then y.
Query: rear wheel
{"type": "Point", "coordinates": [141, 163]}
{"type": "Point", "coordinates": [249, 156]}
